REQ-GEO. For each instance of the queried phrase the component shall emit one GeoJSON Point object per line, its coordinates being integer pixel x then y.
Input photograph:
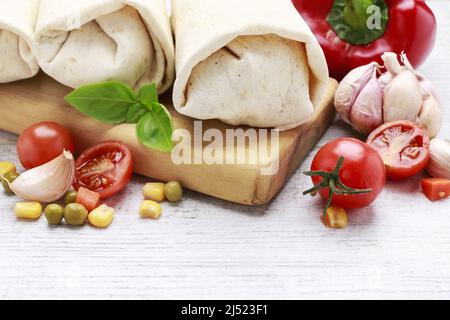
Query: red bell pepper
{"type": "Point", "coordinates": [353, 33]}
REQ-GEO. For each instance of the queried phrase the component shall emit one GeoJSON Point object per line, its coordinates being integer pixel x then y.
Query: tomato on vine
{"type": "Point", "coordinates": [347, 173]}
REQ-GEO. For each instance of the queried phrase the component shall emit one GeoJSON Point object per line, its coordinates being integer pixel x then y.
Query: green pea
{"type": "Point", "coordinates": [75, 214]}
{"type": "Point", "coordinates": [10, 176]}
{"type": "Point", "coordinates": [70, 197]}
{"type": "Point", "coordinates": [54, 214]}
{"type": "Point", "coordinates": [173, 191]}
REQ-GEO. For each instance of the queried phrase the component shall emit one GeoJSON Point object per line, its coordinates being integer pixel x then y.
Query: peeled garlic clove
{"type": "Point", "coordinates": [431, 116]}
{"type": "Point", "coordinates": [350, 87]}
{"type": "Point", "coordinates": [402, 98]}
{"type": "Point", "coordinates": [439, 166]}
{"type": "Point", "coordinates": [367, 111]}
{"type": "Point", "coordinates": [48, 182]}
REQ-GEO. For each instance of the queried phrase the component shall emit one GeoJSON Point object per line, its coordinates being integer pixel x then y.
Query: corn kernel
{"type": "Point", "coordinates": [101, 217]}
{"type": "Point", "coordinates": [154, 191]}
{"type": "Point", "coordinates": [150, 209]}
{"type": "Point", "coordinates": [336, 218]}
{"type": "Point", "coordinates": [28, 210]}
{"type": "Point", "coordinates": [6, 167]}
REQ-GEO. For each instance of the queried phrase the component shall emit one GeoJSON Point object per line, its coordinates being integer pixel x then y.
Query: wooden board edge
{"type": "Point", "coordinates": [309, 134]}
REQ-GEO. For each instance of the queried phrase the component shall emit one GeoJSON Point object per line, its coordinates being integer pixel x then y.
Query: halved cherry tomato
{"type": "Point", "coordinates": [404, 147]}
{"type": "Point", "coordinates": [43, 142]}
{"type": "Point", "coordinates": [105, 168]}
{"type": "Point", "coordinates": [89, 199]}
{"type": "Point", "coordinates": [436, 189]}
{"type": "Point", "coordinates": [362, 169]}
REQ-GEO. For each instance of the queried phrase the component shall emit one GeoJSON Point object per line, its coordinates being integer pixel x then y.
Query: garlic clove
{"type": "Point", "coordinates": [48, 182]}
{"type": "Point", "coordinates": [427, 87]}
{"type": "Point", "coordinates": [350, 87]}
{"type": "Point", "coordinates": [406, 62]}
{"type": "Point", "coordinates": [439, 166]}
{"type": "Point", "coordinates": [431, 116]}
{"type": "Point", "coordinates": [402, 98]}
{"type": "Point", "coordinates": [385, 79]}
{"type": "Point", "coordinates": [425, 84]}
{"type": "Point", "coordinates": [392, 64]}
{"type": "Point", "coordinates": [367, 111]}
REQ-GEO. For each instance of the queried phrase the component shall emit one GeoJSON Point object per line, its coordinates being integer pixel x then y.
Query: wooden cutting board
{"type": "Point", "coordinates": [41, 99]}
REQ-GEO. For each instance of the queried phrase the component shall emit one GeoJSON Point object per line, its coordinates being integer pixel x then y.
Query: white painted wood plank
{"type": "Point", "coordinates": [207, 248]}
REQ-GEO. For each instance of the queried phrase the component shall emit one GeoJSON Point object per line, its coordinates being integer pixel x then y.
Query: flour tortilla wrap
{"type": "Point", "coordinates": [252, 62]}
{"type": "Point", "coordinates": [85, 41]}
{"type": "Point", "coordinates": [17, 19]}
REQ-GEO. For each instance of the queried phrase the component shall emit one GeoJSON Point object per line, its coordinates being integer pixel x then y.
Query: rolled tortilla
{"type": "Point", "coordinates": [84, 41]}
{"type": "Point", "coordinates": [252, 62]}
{"type": "Point", "coordinates": [17, 20]}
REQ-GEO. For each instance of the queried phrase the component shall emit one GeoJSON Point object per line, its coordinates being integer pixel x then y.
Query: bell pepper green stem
{"type": "Point", "coordinates": [359, 22]}
{"type": "Point", "coordinates": [356, 13]}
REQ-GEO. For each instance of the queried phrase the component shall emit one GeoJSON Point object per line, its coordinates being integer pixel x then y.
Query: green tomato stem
{"type": "Point", "coordinates": [332, 181]}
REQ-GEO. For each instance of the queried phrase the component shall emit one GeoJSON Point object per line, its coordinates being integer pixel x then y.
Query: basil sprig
{"type": "Point", "coordinates": [114, 102]}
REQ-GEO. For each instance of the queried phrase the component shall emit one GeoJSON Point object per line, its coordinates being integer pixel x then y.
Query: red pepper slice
{"type": "Point", "coordinates": [436, 189]}
{"type": "Point", "coordinates": [89, 199]}
{"type": "Point", "coordinates": [406, 25]}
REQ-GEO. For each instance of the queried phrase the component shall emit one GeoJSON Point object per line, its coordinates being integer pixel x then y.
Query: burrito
{"type": "Point", "coordinates": [252, 62]}
{"type": "Point", "coordinates": [85, 41]}
{"type": "Point", "coordinates": [17, 19]}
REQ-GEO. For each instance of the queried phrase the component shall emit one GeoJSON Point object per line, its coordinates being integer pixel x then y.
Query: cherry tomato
{"type": "Point", "coordinates": [404, 147]}
{"type": "Point", "coordinates": [436, 189]}
{"type": "Point", "coordinates": [105, 168]}
{"type": "Point", "coordinates": [362, 169]}
{"type": "Point", "coordinates": [43, 142]}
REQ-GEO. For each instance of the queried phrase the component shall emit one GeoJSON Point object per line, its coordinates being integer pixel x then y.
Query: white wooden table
{"type": "Point", "coordinates": [206, 248]}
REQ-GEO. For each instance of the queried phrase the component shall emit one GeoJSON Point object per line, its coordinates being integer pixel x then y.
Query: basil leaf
{"type": "Point", "coordinates": [136, 112]}
{"type": "Point", "coordinates": [148, 95]}
{"type": "Point", "coordinates": [154, 130]}
{"type": "Point", "coordinates": [114, 102]}
{"type": "Point", "coordinates": [108, 102]}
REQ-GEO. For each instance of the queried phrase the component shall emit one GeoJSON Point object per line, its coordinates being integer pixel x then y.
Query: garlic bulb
{"type": "Point", "coordinates": [48, 182]}
{"type": "Point", "coordinates": [367, 97]}
{"type": "Point", "coordinates": [439, 166]}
